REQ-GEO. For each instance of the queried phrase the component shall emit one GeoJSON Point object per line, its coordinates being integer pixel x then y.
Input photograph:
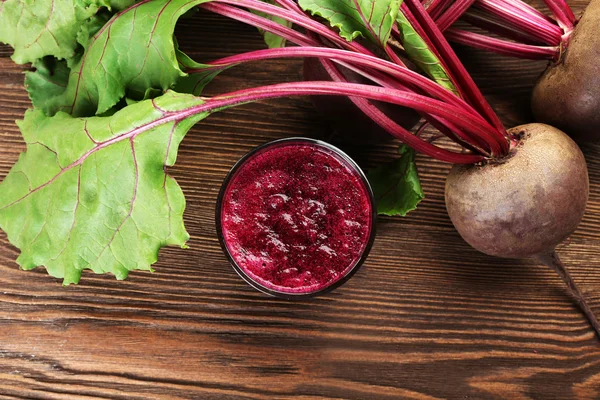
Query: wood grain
{"type": "Point", "coordinates": [427, 317]}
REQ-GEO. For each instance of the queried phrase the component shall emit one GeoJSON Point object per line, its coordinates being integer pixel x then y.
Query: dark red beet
{"type": "Point", "coordinates": [525, 204]}
{"type": "Point", "coordinates": [351, 124]}
{"type": "Point", "coordinates": [567, 95]}
{"type": "Point", "coordinates": [296, 218]}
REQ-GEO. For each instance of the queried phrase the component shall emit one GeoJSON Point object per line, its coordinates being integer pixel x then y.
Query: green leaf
{"type": "Point", "coordinates": [132, 53]}
{"type": "Point", "coordinates": [419, 53]}
{"type": "Point", "coordinates": [49, 79]}
{"type": "Point", "coordinates": [51, 76]}
{"type": "Point", "coordinates": [396, 185]}
{"type": "Point", "coordinates": [90, 27]}
{"type": "Point", "coordinates": [40, 28]}
{"type": "Point", "coordinates": [275, 41]}
{"type": "Point", "coordinates": [272, 40]}
{"type": "Point", "coordinates": [118, 5]}
{"type": "Point", "coordinates": [197, 75]}
{"type": "Point", "coordinates": [92, 193]}
{"type": "Point", "coordinates": [372, 19]}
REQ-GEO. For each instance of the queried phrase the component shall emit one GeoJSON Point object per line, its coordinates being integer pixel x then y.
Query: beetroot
{"type": "Point", "coordinates": [525, 204]}
{"type": "Point", "coordinates": [347, 119]}
{"type": "Point", "coordinates": [567, 95]}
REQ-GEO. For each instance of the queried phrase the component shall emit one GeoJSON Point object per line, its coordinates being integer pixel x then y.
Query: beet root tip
{"type": "Point", "coordinates": [553, 261]}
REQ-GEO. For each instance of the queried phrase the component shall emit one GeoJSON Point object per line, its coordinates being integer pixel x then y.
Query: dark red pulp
{"type": "Point", "coordinates": [296, 217]}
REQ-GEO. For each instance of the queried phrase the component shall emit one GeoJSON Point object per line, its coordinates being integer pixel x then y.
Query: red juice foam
{"type": "Point", "coordinates": [296, 217]}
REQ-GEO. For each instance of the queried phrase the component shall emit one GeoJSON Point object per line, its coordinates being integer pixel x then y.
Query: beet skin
{"type": "Point", "coordinates": [525, 204]}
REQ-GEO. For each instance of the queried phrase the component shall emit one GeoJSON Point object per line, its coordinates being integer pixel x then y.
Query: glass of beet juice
{"type": "Point", "coordinates": [296, 217]}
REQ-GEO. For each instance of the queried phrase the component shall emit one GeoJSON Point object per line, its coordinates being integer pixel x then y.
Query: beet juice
{"type": "Point", "coordinates": [296, 217]}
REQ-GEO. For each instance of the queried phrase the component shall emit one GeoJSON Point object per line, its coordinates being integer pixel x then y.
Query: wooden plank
{"type": "Point", "coordinates": [427, 317]}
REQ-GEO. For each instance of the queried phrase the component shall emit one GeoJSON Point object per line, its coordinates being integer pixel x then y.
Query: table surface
{"type": "Point", "coordinates": [427, 317]}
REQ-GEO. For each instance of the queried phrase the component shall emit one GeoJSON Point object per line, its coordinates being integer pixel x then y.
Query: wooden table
{"type": "Point", "coordinates": [426, 317]}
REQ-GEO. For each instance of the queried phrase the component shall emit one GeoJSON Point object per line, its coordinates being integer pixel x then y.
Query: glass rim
{"type": "Point", "coordinates": [350, 270]}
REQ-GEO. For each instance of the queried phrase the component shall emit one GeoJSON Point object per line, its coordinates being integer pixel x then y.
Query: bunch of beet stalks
{"type": "Point", "coordinates": [514, 193]}
{"type": "Point", "coordinates": [567, 95]}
